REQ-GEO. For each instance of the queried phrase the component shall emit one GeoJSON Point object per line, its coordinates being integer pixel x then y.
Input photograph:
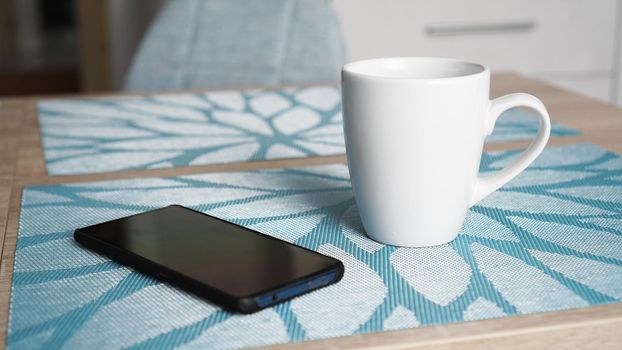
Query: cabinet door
{"type": "Point", "coordinates": [598, 87]}
{"type": "Point", "coordinates": [521, 35]}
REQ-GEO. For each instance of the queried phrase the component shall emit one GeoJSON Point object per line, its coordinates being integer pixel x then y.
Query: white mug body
{"type": "Point", "coordinates": [414, 131]}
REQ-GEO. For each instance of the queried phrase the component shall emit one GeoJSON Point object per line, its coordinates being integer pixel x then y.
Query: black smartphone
{"type": "Point", "coordinates": [235, 267]}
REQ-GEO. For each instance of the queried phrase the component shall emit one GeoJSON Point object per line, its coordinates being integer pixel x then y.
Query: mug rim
{"type": "Point", "coordinates": [350, 67]}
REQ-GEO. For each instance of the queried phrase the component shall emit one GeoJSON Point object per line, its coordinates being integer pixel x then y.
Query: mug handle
{"type": "Point", "coordinates": [486, 184]}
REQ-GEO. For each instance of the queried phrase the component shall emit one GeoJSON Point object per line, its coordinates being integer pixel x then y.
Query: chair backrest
{"type": "Point", "coordinates": [238, 43]}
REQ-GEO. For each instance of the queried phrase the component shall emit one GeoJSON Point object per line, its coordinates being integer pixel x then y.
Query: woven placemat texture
{"type": "Point", "coordinates": [111, 134]}
{"type": "Point", "coordinates": [549, 240]}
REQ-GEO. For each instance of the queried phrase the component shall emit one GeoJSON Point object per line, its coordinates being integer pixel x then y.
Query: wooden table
{"type": "Point", "coordinates": [599, 327]}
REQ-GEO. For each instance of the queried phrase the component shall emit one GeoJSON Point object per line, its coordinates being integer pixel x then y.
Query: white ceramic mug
{"type": "Point", "coordinates": [414, 130]}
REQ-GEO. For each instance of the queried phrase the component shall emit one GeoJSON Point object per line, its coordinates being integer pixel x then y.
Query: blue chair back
{"type": "Point", "coordinates": [238, 43]}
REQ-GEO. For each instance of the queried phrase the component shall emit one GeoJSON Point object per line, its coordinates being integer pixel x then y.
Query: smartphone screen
{"type": "Point", "coordinates": [226, 258]}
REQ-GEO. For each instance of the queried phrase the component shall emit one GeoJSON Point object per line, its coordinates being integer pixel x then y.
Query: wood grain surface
{"type": "Point", "coordinates": [599, 327]}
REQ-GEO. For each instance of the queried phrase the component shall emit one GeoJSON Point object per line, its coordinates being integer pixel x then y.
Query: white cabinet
{"type": "Point", "coordinates": [599, 86]}
{"type": "Point", "coordinates": [569, 42]}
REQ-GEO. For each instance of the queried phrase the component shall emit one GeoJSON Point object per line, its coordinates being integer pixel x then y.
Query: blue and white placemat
{"type": "Point", "coordinates": [103, 135]}
{"type": "Point", "coordinates": [549, 240]}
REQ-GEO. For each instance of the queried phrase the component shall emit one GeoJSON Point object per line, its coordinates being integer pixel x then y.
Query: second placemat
{"type": "Point", "coordinates": [112, 134]}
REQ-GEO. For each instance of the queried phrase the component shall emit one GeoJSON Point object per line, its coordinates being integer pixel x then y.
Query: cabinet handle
{"type": "Point", "coordinates": [457, 29]}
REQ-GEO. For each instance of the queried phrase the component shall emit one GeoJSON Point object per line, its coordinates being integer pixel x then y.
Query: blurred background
{"type": "Point", "coordinates": [68, 46]}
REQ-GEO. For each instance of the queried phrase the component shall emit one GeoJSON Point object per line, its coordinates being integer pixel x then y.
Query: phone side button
{"type": "Point", "coordinates": [161, 275]}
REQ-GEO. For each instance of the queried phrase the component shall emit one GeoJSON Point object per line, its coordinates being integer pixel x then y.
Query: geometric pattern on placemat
{"type": "Point", "coordinates": [549, 240]}
{"type": "Point", "coordinates": [102, 135]}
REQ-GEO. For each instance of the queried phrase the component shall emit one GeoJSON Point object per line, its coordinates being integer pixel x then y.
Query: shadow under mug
{"type": "Point", "coordinates": [414, 130]}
